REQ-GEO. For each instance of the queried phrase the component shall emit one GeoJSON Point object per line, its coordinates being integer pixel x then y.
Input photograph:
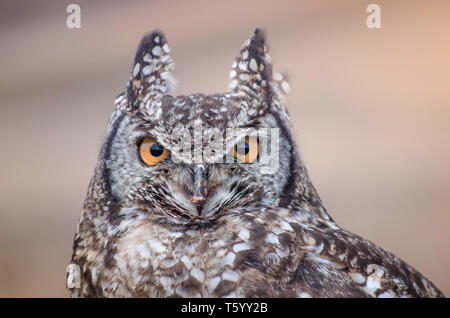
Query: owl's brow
{"type": "Point", "coordinates": [143, 127]}
{"type": "Point", "coordinates": [141, 132]}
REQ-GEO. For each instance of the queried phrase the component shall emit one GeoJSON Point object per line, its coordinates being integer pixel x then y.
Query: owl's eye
{"type": "Point", "coordinates": [247, 150]}
{"type": "Point", "coordinates": [151, 152]}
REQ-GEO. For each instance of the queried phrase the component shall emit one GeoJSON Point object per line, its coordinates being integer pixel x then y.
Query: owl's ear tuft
{"type": "Point", "coordinates": [251, 72]}
{"type": "Point", "coordinates": [151, 73]}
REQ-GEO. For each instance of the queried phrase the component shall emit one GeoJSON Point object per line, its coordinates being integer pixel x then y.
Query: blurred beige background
{"type": "Point", "coordinates": [370, 108]}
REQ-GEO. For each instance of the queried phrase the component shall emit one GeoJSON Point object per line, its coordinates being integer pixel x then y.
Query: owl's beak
{"type": "Point", "coordinates": [199, 192]}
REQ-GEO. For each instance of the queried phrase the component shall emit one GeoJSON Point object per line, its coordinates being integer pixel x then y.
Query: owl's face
{"type": "Point", "coordinates": [202, 165]}
{"type": "Point", "coordinates": [193, 158]}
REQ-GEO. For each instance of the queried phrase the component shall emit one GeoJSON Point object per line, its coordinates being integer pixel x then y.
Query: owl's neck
{"type": "Point", "coordinates": [300, 193]}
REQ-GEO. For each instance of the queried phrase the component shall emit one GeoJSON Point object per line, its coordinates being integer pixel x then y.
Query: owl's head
{"type": "Point", "coordinates": [194, 158]}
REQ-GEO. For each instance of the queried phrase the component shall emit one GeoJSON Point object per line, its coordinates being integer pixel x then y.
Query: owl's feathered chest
{"type": "Point", "coordinates": [157, 260]}
{"type": "Point", "coordinates": [259, 254]}
{"type": "Point", "coordinates": [237, 256]}
{"type": "Point", "coordinates": [169, 263]}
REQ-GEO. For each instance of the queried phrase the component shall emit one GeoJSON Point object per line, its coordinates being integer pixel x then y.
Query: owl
{"type": "Point", "coordinates": [207, 196]}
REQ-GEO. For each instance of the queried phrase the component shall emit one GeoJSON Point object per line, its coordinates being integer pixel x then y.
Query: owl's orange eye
{"type": "Point", "coordinates": [247, 150]}
{"type": "Point", "coordinates": [151, 152]}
